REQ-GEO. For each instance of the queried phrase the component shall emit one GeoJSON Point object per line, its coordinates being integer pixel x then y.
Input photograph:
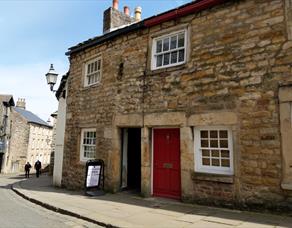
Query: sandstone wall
{"type": "Point", "coordinates": [18, 143]}
{"type": "Point", "coordinates": [238, 53]}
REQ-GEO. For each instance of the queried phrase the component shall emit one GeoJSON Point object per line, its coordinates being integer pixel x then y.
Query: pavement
{"type": "Point", "coordinates": [129, 210]}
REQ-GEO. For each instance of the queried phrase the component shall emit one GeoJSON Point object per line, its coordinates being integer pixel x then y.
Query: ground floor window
{"type": "Point", "coordinates": [88, 144]}
{"type": "Point", "coordinates": [213, 150]}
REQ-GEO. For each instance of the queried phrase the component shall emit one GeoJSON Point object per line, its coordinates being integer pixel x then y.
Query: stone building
{"type": "Point", "coordinates": [192, 104]}
{"type": "Point", "coordinates": [6, 104]}
{"type": "Point", "coordinates": [30, 139]}
{"type": "Point", "coordinates": [61, 95]}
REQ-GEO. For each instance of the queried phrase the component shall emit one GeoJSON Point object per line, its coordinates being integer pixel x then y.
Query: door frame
{"type": "Point", "coordinates": [124, 135]}
{"type": "Point", "coordinates": [152, 153]}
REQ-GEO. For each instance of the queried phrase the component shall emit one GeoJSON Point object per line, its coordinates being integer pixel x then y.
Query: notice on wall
{"type": "Point", "coordinates": [93, 176]}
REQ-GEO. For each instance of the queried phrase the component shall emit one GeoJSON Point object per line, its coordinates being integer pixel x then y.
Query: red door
{"type": "Point", "coordinates": [166, 170]}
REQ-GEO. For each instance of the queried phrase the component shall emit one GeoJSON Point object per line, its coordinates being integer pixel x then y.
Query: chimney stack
{"type": "Point", "coordinates": [138, 12]}
{"type": "Point", "coordinates": [116, 4]}
{"type": "Point", "coordinates": [113, 18]}
{"type": "Point", "coordinates": [20, 103]}
{"type": "Point", "coordinates": [126, 10]}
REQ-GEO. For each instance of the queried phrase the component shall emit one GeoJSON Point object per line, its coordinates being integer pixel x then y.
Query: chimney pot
{"type": "Point", "coordinates": [116, 4]}
{"type": "Point", "coordinates": [138, 12]}
{"type": "Point", "coordinates": [126, 10]}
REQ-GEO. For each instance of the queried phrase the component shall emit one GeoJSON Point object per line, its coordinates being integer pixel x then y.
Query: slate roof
{"type": "Point", "coordinates": [7, 99]}
{"type": "Point", "coordinates": [31, 118]}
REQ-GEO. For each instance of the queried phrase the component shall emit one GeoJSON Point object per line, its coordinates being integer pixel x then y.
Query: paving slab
{"type": "Point", "coordinates": [128, 210]}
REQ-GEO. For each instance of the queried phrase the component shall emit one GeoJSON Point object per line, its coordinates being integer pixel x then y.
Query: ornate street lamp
{"type": "Point", "coordinates": [51, 77]}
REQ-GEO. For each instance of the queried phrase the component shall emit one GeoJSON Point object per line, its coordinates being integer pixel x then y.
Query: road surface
{"type": "Point", "coordinates": [17, 212]}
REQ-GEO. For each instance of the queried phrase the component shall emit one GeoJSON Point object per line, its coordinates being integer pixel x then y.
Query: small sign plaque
{"type": "Point", "coordinates": [93, 176]}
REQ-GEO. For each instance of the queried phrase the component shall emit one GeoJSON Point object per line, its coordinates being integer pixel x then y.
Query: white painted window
{"type": "Point", "coordinates": [213, 150]}
{"type": "Point", "coordinates": [169, 50]}
{"type": "Point", "coordinates": [88, 144]}
{"type": "Point", "coordinates": [93, 72]}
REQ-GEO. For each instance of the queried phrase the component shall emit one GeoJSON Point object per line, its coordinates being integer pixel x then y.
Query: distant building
{"type": "Point", "coordinates": [6, 104]}
{"type": "Point", "coordinates": [30, 139]}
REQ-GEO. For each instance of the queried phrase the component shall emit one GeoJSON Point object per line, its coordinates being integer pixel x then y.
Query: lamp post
{"type": "Point", "coordinates": [51, 77]}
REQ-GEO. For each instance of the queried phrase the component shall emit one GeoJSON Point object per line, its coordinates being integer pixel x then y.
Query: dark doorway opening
{"type": "Point", "coordinates": [1, 160]}
{"type": "Point", "coordinates": [131, 159]}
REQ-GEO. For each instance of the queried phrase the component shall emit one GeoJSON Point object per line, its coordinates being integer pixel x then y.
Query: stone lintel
{"type": "Point", "coordinates": [128, 120]}
{"type": "Point", "coordinates": [165, 119]}
{"type": "Point", "coordinates": [215, 118]}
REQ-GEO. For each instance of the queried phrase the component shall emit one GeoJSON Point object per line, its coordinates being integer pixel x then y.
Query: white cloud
{"type": "Point", "coordinates": [28, 81]}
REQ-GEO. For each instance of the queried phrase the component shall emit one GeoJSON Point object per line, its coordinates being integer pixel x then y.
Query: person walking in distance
{"type": "Point", "coordinates": [27, 169]}
{"type": "Point", "coordinates": [38, 166]}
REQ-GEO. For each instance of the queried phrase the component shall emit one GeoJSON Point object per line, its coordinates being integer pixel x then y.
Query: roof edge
{"type": "Point", "coordinates": [188, 8]}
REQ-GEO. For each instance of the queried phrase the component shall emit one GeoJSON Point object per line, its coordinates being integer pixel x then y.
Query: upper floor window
{"type": "Point", "coordinates": [93, 72]}
{"type": "Point", "coordinates": [169, 50]}
{"type": "Point", "coordinates": [88, 144]}
{"type": "Point", "coordinates": [213, 150]}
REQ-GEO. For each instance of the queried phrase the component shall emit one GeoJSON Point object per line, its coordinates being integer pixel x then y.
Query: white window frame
{"type": "Point", "coordinates": [154, 44]}
{"type": "Point", "coordinates": [199, 167]}
{"type": "Point", "coordinates": [86, 84]}
{"type": "Point", "coordinates": [82, 158]}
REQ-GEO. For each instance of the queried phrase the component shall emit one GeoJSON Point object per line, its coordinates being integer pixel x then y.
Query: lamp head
{"type": "Point", "coordinates": [51, 77]}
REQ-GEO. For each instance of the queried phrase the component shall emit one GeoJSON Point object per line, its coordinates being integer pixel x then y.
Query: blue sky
{"type": "Point", "coordinates": [35, 33]}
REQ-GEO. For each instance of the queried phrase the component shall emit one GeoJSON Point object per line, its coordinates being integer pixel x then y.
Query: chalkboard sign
{"type": "Point", "coordinates": [94, 174]}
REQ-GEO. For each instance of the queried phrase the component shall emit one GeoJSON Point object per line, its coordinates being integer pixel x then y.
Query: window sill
{"type": "Point", "coordinates": [85, 87]}
{"type": "Point", "coordinates": [221, 178]}
{"type": "Point", "coordinates": [166, 69]}
{"type": "Point", "coordinates": [286, 186]}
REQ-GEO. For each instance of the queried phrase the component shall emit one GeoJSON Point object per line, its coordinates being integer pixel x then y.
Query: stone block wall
{"type": "Point", "coordinates": [18, 143]}
{"type": "Point", "coordinates": [238, 53]}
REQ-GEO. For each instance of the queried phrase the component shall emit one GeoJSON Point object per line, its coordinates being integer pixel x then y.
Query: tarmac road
{"type": "Point", "coordinates": [17, 212]}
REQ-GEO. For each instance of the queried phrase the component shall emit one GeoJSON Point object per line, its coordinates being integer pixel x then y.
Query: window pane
{"type": "Point", "coordinates": [95, 66]}
{"type": "Point", "coordinates": [99, 64]}
{"type": "Point", "coordinates": [204, 134]}
{"type": "Point", "coordinates": [215, 153]}
{"type": "Point", "coordinates": [173, 42]}
{"type": "Point", "coordinates": [181, 40]}
{"type": "Point", "coordinates": [166, 59]}
{"type": "Point", "coordinates": [224, 143]}
{"type": "Point", "coordinates": [225, 163]}
{"type": "Point", "coordinates": [215, 162]}
{"type": "Point", "coordinates": [88, 69]}
{"type": "Point", "coordinates": [214, 134]}
{"type": "Point", "coordinates": [205, 153]}
{"type": "Point", "coordinates": [214, 143]}
{"type": "Point", "coordinates": [159, 61]}
{"type": "Point", "coordinates": [225, 153]}
{"type": "Point", "coordinates": [181, 55]}
{"type": "Point", "coordinates": [159, 46]}
{"type": "Point", "coordinates": [223, 134]}
{"type": "Point", "coordinates": [166, 44]}
{"type": "Point", "coordinates": [204, 143]}
{"type": "Point", "coordinates": [174, 57]}
{"type": "Point", "coordinates": [206, 161]}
